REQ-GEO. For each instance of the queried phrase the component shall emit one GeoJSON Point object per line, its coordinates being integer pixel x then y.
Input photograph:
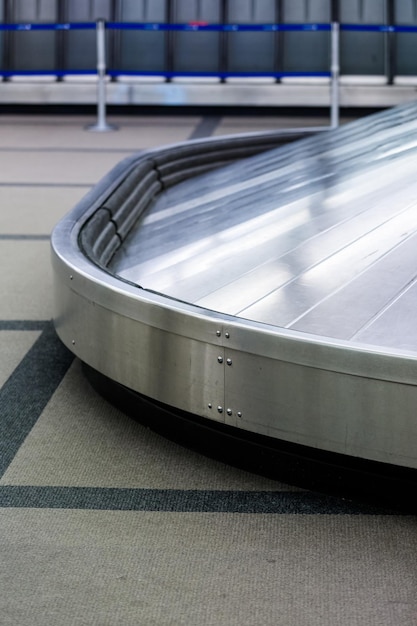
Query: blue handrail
{"type": "Point", "coordinates": [102, 71]}
{"type": "Point", "coordinates": [56, 73]}
{"type": "Point", "coordinates": [64, 26]}
{"type": "Point", "coordinates": [200, 26]}
{"type": "Point", "coordinates": [157, 26]}
{"type": "Point", "coordinates": [379, 28]}
{"type": "Point", "coordinates": [191, 74]}
{"type": "Point", "coordinates": [191, 27]}
{"type": "Point", "coordinates": [162, 74]}
{"type": "Point", "coordinates": [154, 27]}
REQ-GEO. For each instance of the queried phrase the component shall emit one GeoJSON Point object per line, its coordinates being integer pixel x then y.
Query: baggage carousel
{"type": "Point", "coordinates": [254, 297]}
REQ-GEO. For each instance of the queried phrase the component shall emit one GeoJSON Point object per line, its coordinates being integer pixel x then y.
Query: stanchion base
{"type": "Point", "coordinates": [101, 128]}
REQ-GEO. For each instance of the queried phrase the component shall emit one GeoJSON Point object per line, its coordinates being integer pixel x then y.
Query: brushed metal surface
{"type": "Point", "coordinates": [318, 226]}
{"type": "Point", "coordinates": [164, 365]}
{"type": "Point", "coordinates": [354, 91]}
{"type": "Point", "coordinates": [344, 381]}
{"type": "Point", "coordinates": [330, 410]}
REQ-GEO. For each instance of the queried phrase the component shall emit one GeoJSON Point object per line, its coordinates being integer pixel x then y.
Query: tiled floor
{"type": "Point", "coordinates": [104, 523]}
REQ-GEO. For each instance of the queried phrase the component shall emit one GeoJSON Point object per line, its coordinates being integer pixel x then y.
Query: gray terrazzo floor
{"type": "Point", "coordinates": [104, 523]}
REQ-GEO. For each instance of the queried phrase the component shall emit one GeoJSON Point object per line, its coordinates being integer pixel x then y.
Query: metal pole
{"type": "Point", "coordinates": [335, 70]}
{"type": "Point", "coordinates": [101, 126]}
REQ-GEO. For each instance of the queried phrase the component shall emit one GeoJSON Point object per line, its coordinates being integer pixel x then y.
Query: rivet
{"type": "Point", "coordinates": [210, 405]}
{"type": "Point", "coordinates": [229, 361]}
{"type": "Point", "coordinates": [73, 342]}
{"type": "Point", "coordinates": [71, 277]}
{"type": "Point", "coordinates": [239, 413]}
{"type": "Point", "coordinates": [220, 359]}
{"type": "Point", "coordinates": [219, 333]}
{"type": "Point", "coordinates": [229, 411]}
{"type": "Point", "coordinates": [220, 409]}
{"type": "Point", "coordinates": [227, 335]}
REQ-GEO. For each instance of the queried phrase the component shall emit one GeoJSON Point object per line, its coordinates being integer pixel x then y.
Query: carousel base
{"type": "Point", "coordinates": [254, 297]}
{"type": "Point", "coordinates": [362, 482]}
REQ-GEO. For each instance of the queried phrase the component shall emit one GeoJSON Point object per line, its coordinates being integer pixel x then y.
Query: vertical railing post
{"type": "Point", "coordinates": [101, 124]}
{"type": "Point", "coordinates": [335, 71]}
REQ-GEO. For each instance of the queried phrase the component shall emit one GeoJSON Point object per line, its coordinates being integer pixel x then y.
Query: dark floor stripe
{"type": "Point", "coordinates": [24, 237]}
{"type": "Point", "coordinates": [27, 391]}
{"type": "Point", "coordinates": [206, 127]}
{"type": "Point", "coordinates": [181, 501]}
{"type": "Point", "coordinates": [23, 324]}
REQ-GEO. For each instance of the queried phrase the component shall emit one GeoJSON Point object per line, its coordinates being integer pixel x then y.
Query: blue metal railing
{"type": "Point", "coordinates": [198, 26]}
{"type": "Point", "coordinates": [192, 27]}
{"type": "Point", "coordinates": [65, 26]}
{"type": "Point", "coordinates": [379, 28]}
{"type": "Point", "coordinates": [164, 27]}
{"type": "Point", "coordinates": [217, 74]}
{"type": "Point", "coordinates": [101, 70]}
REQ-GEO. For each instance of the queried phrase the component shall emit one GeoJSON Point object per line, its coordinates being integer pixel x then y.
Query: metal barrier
{"type": "Point", "coordinates": [101, 124]}
{"type": "Point", "coordinates": [102, 72]}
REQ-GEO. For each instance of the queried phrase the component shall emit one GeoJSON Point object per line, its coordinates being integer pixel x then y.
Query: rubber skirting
{"type": "Point", "coordinates": [339, 475]}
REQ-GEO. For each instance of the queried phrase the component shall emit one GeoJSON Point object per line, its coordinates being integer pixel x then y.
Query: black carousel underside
{"type": "Point", "coordinates": [358, 480]}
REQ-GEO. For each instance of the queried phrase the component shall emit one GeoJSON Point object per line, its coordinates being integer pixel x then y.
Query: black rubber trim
{"type": "Point", "coordinates": [360, 480]}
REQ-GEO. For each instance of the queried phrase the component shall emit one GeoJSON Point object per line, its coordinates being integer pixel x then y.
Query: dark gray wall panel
{"type": "Point", "coordinates": [80, 46]}
{"type": "Point", "coordinates": [405, 11]}
{"type": "Point", "coordinates": [299, 11]}
{"type": "Point", "coordinates": [363, 11]}
{"type": "Point", "coordinates": [140, 50]}
{"type": "Point", "coordinates": [405, 43]}
{"type": "Point", "coordinates": [251, 51]}
{"type": "Point", "coordinates": [309, 51]}
{"type": "Point", "coordinates": [33, 50]}
{"type": "Point", "coordinates": [363, 52]}
{"type": "Point", "coordinates": [30, 11]}
{"type": "Point", "coordinates": [197, 51]}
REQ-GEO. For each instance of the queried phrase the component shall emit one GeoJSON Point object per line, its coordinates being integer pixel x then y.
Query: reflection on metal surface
{"type": "Point", "coordinates": [275, 294]}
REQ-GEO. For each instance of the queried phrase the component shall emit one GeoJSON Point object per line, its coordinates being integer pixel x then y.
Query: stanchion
{"type": "Point", "coordinates": [335, 70]}
{"type": "Point", "coordinates": [101, 125]}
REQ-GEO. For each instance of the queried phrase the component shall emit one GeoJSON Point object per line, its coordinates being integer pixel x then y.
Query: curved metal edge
{"type": "Point", "coordinates": [329, 395]}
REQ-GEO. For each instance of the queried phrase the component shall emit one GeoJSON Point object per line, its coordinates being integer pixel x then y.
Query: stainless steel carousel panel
{"type": "Point", "coordinates": [264, 283]}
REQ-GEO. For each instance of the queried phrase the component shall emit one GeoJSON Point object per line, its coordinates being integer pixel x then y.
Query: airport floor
{"type": "Point", "coordinates": [105, 523]}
